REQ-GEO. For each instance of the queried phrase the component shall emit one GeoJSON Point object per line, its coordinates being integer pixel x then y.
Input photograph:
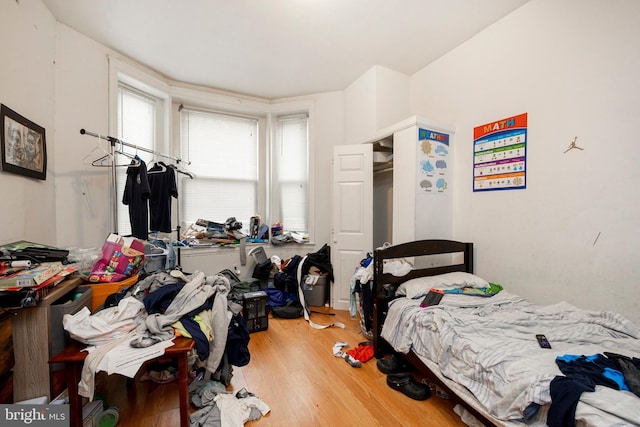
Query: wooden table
{"type": "Point", "coordinates": [73, 358]}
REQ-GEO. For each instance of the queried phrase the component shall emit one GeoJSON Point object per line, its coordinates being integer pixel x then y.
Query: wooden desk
{"type": "Point", "coordinates": [73, 358]}
{"type": "Point", "coordinates": [31, 330]}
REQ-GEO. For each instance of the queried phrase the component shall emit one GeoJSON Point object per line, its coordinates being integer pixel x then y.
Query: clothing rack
{"type": "Point", "coordinates": [112, 143]}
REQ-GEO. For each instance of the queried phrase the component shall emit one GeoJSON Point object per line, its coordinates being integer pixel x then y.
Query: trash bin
{"type": "Point", "coordinates": [315, 290]}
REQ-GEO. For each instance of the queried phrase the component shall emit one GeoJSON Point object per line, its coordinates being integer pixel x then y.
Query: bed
{"type": "Point", "coordinates": [479, 343]}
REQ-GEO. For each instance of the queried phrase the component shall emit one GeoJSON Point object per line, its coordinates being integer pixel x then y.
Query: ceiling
{"type": "Point", "coordinates": [280, 48]}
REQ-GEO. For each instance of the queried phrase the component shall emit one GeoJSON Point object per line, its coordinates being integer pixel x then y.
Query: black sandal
{"type": "Point", "coordinates": [408, 386]}
{"type": "Point", "coordinates": [392, 365]}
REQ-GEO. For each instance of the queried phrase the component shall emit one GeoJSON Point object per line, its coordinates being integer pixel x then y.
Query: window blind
{"type": "Point", "coordinates": [290, 172]}
{"type": "Point", "coordinates": [136, 122]}
{"type": "Point", "coordinates": [223, 151]}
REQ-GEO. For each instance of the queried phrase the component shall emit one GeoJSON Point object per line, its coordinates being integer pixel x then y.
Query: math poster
{"type": "Point", "coordinates": [500, 155]}
{"type": "Point", "coordinates": [433, 158]}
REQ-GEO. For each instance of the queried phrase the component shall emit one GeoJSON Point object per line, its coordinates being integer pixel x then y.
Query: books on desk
{"type": "Point", "coordinates": [30, 295]}
{"type": "Point", "coordinates": [68, 270]}
{"type": "Point", "coordinates": [31, 277]}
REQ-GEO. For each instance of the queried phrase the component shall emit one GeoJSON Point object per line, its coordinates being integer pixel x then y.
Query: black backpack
{"type": "Point", "coordinates": [292, 310]}
{"type": "Point", "coordinates": [287, 279]}
{"type": "Point", "coordinates": [239, 287]}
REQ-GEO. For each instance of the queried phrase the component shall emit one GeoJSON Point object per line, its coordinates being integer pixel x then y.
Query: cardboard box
{"type": "Point", "coordinates": [121, 257]}
{"type": "Point", "coordinates": [31, 277]}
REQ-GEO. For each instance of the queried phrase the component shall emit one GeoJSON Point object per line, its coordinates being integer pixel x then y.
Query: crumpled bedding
{"type": "Point", "coordinates": [488, 345]}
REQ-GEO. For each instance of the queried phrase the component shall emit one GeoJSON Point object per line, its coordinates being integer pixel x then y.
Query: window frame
{"type": "Point", "coordinates": [275, 200]}
{"type": "Point", "coordinates": [261, 184]}
{"type": "Point", "coordinates": [145, 84]}
{"type": "Point", "coordinates": [293, 107]}
{"type": "Point", "coordinates": [122, 225]}
{"type": "Point", "coordinates": [174, 95]}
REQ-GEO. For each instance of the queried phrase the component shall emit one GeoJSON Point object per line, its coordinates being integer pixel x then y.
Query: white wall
{"type": "Point", "coordinates": [377, 99]}
{"type": "Point", "coordinates": [27, 31]}
{"type": "Point", "coordinates": [392, 102]}
{"type": "Point", "coordinates": [573, 66]}
{"type": "Point", "coordinates": [83, 199]}
{"type": "Point", "coordinates": [360, 108]}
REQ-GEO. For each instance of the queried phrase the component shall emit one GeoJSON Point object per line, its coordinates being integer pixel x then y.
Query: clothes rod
{"type": "Point", "coordinates": [113, 141]}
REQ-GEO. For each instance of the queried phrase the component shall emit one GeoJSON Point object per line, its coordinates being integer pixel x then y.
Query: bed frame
{"type": "Point", "coordinates": [386, 284]}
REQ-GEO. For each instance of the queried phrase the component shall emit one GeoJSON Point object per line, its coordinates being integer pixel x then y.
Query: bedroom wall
{"type": "Point", "coordinates": [82, 102]}
{"type": "Point", "coordinates": [573, 66]}
{"type": "Point", "coordinates": [27, 31]}
{"type": "Point", "coordinates": [377, 99]}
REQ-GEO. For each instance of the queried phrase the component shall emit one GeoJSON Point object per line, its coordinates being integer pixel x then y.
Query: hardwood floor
{"type": "Point", "coordinates": [294, 371]}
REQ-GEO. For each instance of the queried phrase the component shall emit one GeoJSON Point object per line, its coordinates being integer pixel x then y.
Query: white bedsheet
{"type": "Point", "coordinates": [488, 346]}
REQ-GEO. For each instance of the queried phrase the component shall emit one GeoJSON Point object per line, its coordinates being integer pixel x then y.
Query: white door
{"type": "Point", "coordinates": [352, 215]}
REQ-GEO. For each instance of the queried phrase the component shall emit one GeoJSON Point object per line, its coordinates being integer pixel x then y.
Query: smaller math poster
{"type": "Point", "coordinates": [433, 158]}
{"type": "Point", "coordinates": [500, 155]}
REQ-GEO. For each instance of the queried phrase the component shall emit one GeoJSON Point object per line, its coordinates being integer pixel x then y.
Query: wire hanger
{"type": "Point", "coordinates": [158, 167]}
{"type": "Point", "coordinates": [91, 154]}
{"type": "Point", "coordinates": [184, 172]}
{"type": "Point", "coordinates": [102, 161]}
{"type": "Point", "coordinates": [135, 159]}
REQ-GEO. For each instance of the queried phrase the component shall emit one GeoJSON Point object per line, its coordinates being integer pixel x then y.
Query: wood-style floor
{"type": "Point", "coordinates": [294, 371]}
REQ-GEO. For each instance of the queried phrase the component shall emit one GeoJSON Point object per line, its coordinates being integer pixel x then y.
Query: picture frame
{"type": "Point", "coordinates": [23, 145]}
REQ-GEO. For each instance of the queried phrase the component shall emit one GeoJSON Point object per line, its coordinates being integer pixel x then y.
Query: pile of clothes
{"type": "Point", "coordinates": [137, 324]}
{"type": "Point", "coordinates": [218, 407]}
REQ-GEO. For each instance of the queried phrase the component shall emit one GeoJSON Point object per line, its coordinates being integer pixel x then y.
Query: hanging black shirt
{"type": "Point", "coordinates": [163, 185]}
{"type": "Point", "coordinates": [136, 196]}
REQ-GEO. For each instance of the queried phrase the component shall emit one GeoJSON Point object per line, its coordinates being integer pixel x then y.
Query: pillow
{"type": "Point", "coordinates": [418, 287]}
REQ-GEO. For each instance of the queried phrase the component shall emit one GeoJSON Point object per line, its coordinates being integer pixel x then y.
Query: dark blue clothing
{"type": "Point", "coordinates": [202, 343]}
{"type": "Point", "coordinates": [162, 184]}
{"type": "Point", "coordinates": [136, 196]}
{"type": "Point", "coordinates": [159, 300]}
{"type": "Point", "coordinates": [366, 301]}
{"type": "Point", "coordinates": [630, 368]}
{"type": "Point", "coordinates": [582, 373]}
{"type": "Point", "coordinates": [237, 348]}
{"type": "Point", "coordinates": [595, 369]}
{"type": "Point", "coordinates": [565, 394]}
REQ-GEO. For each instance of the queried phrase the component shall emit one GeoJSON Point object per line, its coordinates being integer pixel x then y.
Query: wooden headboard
{"type": "Point", "coordinates": [386, 283]}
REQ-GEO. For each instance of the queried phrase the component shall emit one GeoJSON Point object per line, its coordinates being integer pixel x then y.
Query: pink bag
{"type": "Point", "coordinates": [122, 257]}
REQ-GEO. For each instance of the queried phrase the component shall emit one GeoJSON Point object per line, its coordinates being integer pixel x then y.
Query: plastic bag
{"type": "Point", "coordinates": [121, 257]}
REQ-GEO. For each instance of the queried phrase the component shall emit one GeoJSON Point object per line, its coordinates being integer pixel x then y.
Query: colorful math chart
{"type": "Point", "coordinates": [500, 155]}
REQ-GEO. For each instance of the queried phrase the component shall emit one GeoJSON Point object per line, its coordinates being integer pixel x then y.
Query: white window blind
{"type": "Point", "coordinates": [290, 173]}
{"type": "Point", "coordinates": [136, 122]}
{"type": "Point", "coordinates": [223, 151]}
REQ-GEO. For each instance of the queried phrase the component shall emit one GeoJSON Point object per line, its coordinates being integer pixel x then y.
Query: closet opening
{"type": "Point", "coordinates": [382, 191]}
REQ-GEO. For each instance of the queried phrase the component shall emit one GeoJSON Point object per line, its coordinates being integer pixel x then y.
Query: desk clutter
{"type": "Point", "coordinates": [131, 306]}
{"type": "Point", "coordinates": [28, 270]}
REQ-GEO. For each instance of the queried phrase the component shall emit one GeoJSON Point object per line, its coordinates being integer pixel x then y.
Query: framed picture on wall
{"type": "Point", "coordinates": [24, 148]}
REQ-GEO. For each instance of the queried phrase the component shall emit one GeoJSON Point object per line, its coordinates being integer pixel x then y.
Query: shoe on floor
{"type": "Point", "coordinates": [408, 386]}
{"type": "Point", "coordinates": [392, 365]}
